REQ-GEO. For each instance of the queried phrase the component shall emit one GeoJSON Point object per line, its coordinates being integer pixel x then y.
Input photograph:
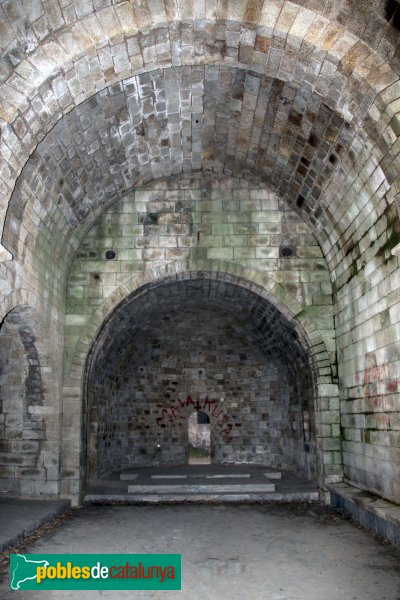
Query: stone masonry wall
{"type": "Point", "coordinates": [141, 399]}
{"type": "Point", "coordinates": [329, 139]}
{"type": "Point", "coordinates": [199, 218]}
{"type": "Point", "coordinates": [367, 319]}
{"type": "Point", "coordinates": [29, 456]}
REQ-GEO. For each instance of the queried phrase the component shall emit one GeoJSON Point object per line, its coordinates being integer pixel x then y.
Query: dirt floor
{"type": "Point", "coordinates": [268, 552]}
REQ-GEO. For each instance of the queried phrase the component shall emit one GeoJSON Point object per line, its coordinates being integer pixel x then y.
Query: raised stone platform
{"type": "Point", "coordinates": [19, 518]}
{"type": "Point", "coordinates": [201, 484]}
{"type": "Point", "coordinates": [371, 511]}
{"type": "Point", "coordinates": [221, 476]}
{"type": "Point", "coordinates": [202, 489]}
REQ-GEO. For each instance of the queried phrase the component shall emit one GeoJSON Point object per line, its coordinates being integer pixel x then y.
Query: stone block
{"type": "Point", "coordinates": [220, 253]}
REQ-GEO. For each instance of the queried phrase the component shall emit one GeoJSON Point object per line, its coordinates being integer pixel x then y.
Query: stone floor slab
{"type": "Point", "coordinates": [20, 517]}
{"type": "Point", "coordinates": [210, 488]}
{"type": "Point", "coordinates": [273, 552]}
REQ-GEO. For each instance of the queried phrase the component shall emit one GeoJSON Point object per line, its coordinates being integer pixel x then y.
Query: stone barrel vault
{"type": "Point", "coordinates": [247, 142]}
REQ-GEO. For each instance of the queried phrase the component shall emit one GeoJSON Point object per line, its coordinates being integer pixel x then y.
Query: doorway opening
{"type": "Point", "coordinates": [199, 439]}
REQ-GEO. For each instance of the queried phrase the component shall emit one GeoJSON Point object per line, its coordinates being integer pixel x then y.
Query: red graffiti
{"type": "Point", "coordinates": [216, 414]}
{"type": "Point", "coordinates": [208, 403]}
{"type": "Point", "coordinates": [374, 374]}
{"type": "Point", "coordinates": [173, 412]}
{"type": "Point", "coordinates": [189, 401]}
{"type": "Point", "coordinates": [392, 385]}
{"type": "Point", "coordinates": [227, 429]}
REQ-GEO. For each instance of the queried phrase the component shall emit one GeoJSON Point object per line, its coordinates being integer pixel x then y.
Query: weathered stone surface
{"type": "Point", "coordinates": [197, 345]}
{"type": "Point", "coordinates": [298, 99]}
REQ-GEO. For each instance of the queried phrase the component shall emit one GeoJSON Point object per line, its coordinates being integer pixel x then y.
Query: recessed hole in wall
{"type": "Point", "coordinates": [392, 13]}
{"type": "Point", "coordinates": [313, 140]}
{"type": "Point", "coordinates": [300, 201]}
{"type": "Point", "coordinates": [286, 251]}
{"type": "Point", "coordinates": [150, 219]}
{"type": "Point", "coordinates": [110, 254]}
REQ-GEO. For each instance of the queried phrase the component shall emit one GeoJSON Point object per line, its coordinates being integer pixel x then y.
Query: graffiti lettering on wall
{"type": "Point", "coordinates": [374, 382]}
{"type": "Point", "coordinates": [174, 413]}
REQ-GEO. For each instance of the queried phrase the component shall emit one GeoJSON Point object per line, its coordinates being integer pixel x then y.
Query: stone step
{"type": "Point", "coordinates": [267, 474]}
{"type": "Point", "coordinates": [219, 476]}
{"type": "Point", "coordinates": [169, 476]}
{"type": "Point", "coordinates": [273, 474]}
{"type": "Point", "coordinates": [221, 498]}
{"type": "Point", "coordinates": [201, 488]}
{"type": "Point", "coordinates": [128, 476]}
{"type": "Point", "coordinates": [373, 512]}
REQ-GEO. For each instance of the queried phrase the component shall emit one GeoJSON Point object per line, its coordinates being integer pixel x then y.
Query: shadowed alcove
{"type": "Point", "coordinates": [206, 345]}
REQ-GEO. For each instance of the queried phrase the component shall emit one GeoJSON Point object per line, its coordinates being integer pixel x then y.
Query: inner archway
{"type": "Point", "coordinates": [200, 344]}
{"type": "Point", "coordinates": [27, 423]}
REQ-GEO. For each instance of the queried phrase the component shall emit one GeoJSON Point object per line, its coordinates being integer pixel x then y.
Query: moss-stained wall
{"type": "Point", "coordinates": [202, 219]}
{"type": "Point", "coordinates": [225, 219]}
{"type": "Point", "coordinates": [367, 320]}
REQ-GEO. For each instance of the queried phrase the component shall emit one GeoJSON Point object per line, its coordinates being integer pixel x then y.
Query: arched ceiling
{"type": "Point", "coordinates": [24, 25]}
{"type": "Point", "coordinates": [245, 313]}
{"type": "Point", "coordinates": [307, 70]}
{"type": "Point", "coordinates": [180, 120]}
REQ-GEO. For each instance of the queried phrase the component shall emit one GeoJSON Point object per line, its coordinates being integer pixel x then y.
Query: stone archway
{"type": "Point", "coordinates": [29, 431]}
{"type": "Point", "coordinates": [134, 317]}
{"type": "Point", "coordinates": [74, 390]}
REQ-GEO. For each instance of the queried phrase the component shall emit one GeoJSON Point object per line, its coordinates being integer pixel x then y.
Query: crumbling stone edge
{"type": "Point", "coordinates": [371, 511]}
{"type": "Point", "coordinates": [56, 511]}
